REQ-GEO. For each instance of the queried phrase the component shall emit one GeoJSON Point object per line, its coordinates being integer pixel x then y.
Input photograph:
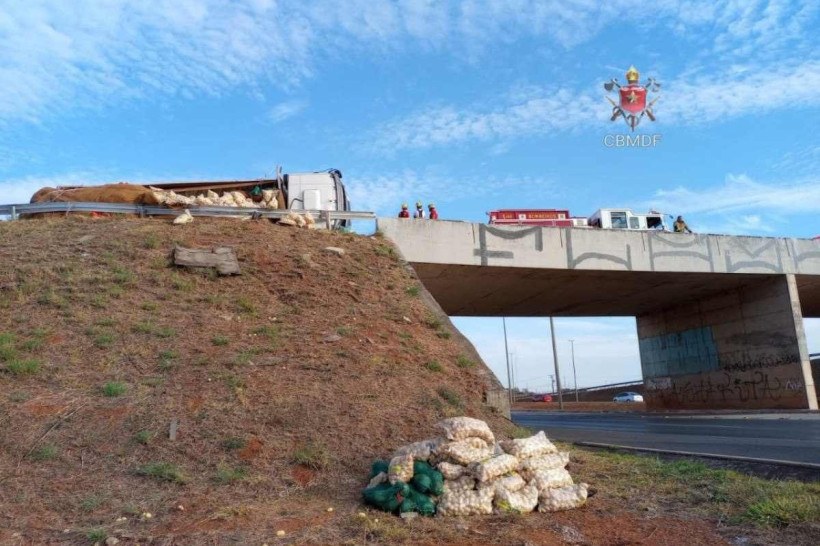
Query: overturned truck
{"type": "Point", "coordinates": [315, 191]}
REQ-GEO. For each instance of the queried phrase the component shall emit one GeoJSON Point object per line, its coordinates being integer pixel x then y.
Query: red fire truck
{"type": "Point", "coordinates": [534, 217]}
{"type": "Point", "coordinates": [601, 218]}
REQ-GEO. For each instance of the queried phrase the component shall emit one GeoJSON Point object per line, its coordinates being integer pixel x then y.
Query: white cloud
{"type": "Point", "coordinates": [555, 110]}
{"type": "Point", "coordinates": [741, 193]}
{"type": "Point", "coordinates": [287, 109]}
{"type": "Point", "coordinates": [751, 89]}
{"type": "Point", "coordinates": [59, 57]}
{"type": "Point", "coordinates": [384, 193]}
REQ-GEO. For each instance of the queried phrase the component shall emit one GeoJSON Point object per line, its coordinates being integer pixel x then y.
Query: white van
{"type": "Point", "coordinates": [626, 219]}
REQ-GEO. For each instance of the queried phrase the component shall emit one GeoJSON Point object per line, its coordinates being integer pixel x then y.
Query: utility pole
{"type": "Point", "coordinates": [555, 362]}
{"type": "Point", "coordinates": [507, 354]}
{"type": "Point", "coordinates": [574, 376]}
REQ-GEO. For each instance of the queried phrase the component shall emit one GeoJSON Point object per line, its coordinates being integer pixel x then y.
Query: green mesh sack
{"type": "Point", "coordinates": [385, 496]}
{"type": "Point", "coordinates": [378, 466]}
{"type": "Point", "coordinates": [432, 481]}
{"type": "Point", "coordinates": [437, 485]}
{"type": "Point", "coordinates": [424, 504]}
{"type": "Point", "coordinates": [408, 505]}
{"type": "Point", "coordinates": [422, 483]}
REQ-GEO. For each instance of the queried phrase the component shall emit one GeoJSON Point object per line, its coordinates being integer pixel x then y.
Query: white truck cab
{"type": "Point", "coordinates": [626, 219]}
{"type": "Point", "coordinates": [316, 191]}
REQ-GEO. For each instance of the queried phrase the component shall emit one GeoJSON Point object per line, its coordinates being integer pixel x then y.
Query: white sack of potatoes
{"type": "Point", "coordinates": [495, 467]}
{"type": "Point", "coordinates": [522, 501]}
{"type": "Point", "coordinates": [533, 446]}
{"type": "Point", "coordinates": [565, 498]}
{"type": "Point", "coordinates": [553, 460]}
{"type": "Point", "coordinates": [451, 471]}
{"type": "Point", "coordinates": [459, 428]}
{"type": "Point", "coordinates": [400, 469]}
{"type": "Point", "coordinates": [464, 452]}
{"type": "Point", "coordinates": [420, 450]}
{"type": "Point", "coordinates": [465, 503]}
{"type": "Point", "coordinates": [550, 478]}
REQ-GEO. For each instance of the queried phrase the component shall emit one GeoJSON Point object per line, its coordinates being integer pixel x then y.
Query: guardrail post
{"type": "Point", "coordinates": [13, 212]}
{"type": "Point", "coordinates": [327, 219]}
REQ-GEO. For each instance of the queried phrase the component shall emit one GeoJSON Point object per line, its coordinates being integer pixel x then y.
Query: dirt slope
{"type": "Point", "coordinates": [306, 357]}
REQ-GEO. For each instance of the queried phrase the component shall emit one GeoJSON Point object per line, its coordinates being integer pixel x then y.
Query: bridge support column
{"type": "Point", "coordinates": [743, 348]}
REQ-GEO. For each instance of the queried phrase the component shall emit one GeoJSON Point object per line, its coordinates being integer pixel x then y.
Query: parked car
{"type": "Point", "coordinates": [541, 398]}
{"type": "Point", "coordinates": [628, 397]}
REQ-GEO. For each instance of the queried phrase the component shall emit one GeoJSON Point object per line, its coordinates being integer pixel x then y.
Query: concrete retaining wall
{"type": "Point", "coordinates": [744, 348]}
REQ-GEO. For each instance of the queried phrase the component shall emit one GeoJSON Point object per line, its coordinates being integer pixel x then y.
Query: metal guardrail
{"type": "Point", "coordinates": [327, 216]}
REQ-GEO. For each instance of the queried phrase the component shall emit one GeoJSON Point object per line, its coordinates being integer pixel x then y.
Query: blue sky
{"type": "Point", "coordinates": [476, 105]}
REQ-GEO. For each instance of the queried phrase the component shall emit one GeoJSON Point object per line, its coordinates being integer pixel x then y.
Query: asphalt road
{"type": "Point", "coordinates": [793, 438]}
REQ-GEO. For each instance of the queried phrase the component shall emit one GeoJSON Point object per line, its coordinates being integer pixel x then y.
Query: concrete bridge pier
{"type": "Point", "coordinates": [740, 348]}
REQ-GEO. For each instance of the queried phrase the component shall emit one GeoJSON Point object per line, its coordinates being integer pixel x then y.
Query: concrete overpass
{"type": "Point", "coordinates": [719, 318]}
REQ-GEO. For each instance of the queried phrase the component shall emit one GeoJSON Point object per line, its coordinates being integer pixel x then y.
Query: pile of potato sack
{"type": "Point", "coordinates": [269, 199]}
{"type": "Point", "coordinates": [480, 475]}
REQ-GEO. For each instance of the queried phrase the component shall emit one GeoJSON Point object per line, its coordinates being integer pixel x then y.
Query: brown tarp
{"type": "Point", "coordinates": [108, 193]}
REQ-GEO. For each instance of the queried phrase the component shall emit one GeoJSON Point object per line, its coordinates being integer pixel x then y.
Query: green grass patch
{"type": "Point", "coordinates": [226, 474]}
{"type": "Point", "coordinates": [91, 503]}
{"type": "Point", "coordinates": [450, 396]}
{"type": "Point", "coordinates": [45, 452]}
{"type": "Point", "coordinates": [96, 535]}
{"type": "Point", "coordinates": [165, 332]}
{"type": "Point", "coordinates": [433, 366]}
{"type": "Point", "coordinates": [443, 334]}
{"type": "Point", "coordinates": [233, 443]}
{"type": "Point", "coordinates": [23, 367]}
{"type": "Point", "coordinates": [717, 493]}
{"type": "Point", "coordinates": [782, 510]}
{"type": "Point", "coordinates": [150, 242]}
{"type": "Point", "coordinates": [7, 339]}
{"type": "Point", "coordinates": [148, 306]}
{"type": "Point", "coordinates": [246, 306]}
{"type": "Point", "coordinates": [464, 362]}
{"type": "Point", "coordinates": [167, 358]}
{"type": "Point", "coordinates": [432, 322]}
{"type": "Point", "coordinates": [270, 331]}
{"type": "Point", "coordinates": [412, 290]}
{"type": "Point", "coordinates": [182, 284]}
{"type": "Point", "coordinates": [143, 437]}
{"type": "Point", "coordinates": [104, 340]}
{"type": "Point", "coordinates": [123, 276]}
{"type": "Point", "coordinates": [312, 455]}
{"type": "Point", "coordinates": [7, 353]}
{"type": "Point", "coordinates": [344, 330]}
{"type": "Point", "coordinates": [220, 341]}
{"type": "Point", "coordinates": [143, 327]}
{"type": "Point", "coordinates": [164, 472]}
{"type": "Point", "coordinates": [114, 388]}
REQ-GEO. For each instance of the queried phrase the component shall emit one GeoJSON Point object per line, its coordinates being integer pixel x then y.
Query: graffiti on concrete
{"type": "Point", "coordinates": [696, 247]}
{"type": "Point", "coordinates": [679, 353]}
{"type": "Point", "coordinates": [508, 235]}
{"type": "Point", "coordinates": [742, 245]}
{"type": "Point", "coordinates": [726, 388]}
{"type": "Point", "coordinates": [573, 261]}
{"type": "Point", "coordinates": [747, 364]}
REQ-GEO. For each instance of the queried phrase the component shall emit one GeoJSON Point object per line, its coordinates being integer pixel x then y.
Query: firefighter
{"type": "Point", "coordinates": [419, 211]}
{"type": "Point", "coordinates": [404, 212]}
{"type": "Point", "coordinates": [680, 226]}
{"type": "Point", "coordinates": [433, 215]}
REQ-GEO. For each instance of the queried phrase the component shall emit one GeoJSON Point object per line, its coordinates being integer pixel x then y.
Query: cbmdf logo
{"type": "Point", "coordinates": [632, 103]}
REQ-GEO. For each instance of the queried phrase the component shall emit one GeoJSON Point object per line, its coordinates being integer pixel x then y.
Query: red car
{"type": "Point", "coordinates": [542, 398]}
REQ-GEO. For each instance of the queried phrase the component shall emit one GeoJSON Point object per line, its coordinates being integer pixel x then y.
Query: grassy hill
{"type": "Point", "coordinates": [283, 383]}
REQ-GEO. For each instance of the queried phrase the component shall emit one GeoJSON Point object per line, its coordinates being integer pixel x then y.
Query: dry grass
{"type": "Point", "coordinates": [276, 424]}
